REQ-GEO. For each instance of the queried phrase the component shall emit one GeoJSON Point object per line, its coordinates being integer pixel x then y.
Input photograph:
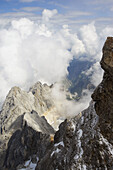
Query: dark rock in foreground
{"type": "Point", "coordinates": [24, 144]}
{"type": "Point", "coordinates": [86, 141]}
{"type": "Point", "coordinates": [103, 95]}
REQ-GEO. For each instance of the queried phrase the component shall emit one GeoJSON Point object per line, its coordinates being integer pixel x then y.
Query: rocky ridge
{"type": "Point", "coordinates": [29, 107]}
{"type": "Point", "coordinates": [84, 142]}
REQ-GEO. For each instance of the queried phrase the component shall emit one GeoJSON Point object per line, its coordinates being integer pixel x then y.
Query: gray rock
{"type": "Point", "coordinates": [83, 142]}
{"type": "Point", "coordinates": [26, 144]}
{"type": "Point", "coordinates": [86, 141]}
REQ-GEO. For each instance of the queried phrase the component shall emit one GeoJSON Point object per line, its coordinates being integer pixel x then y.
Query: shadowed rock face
{"type": "Point", "coordinates": [107, 58]}
{"type": "Point", "coordinates": [30, 140]}
{"type": "Point", "coordinates": [86, 141]}
{"type": "Point", "coordinates": [103, 95]}
{"type": "Point", "coordinates": [25, 144]}
{"type": "Point", "coordinates": [18, 107]}
{"type": "Point", "coordinates": [79, 144]}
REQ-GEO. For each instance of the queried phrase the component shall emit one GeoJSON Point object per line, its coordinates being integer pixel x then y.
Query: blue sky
{"type": "Point", "coordinates": [88, 9]}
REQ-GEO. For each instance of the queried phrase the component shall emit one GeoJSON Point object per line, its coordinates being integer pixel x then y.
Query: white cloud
{"type": "Point", "coordinates": [17, 14]}
{"type": "Point", "coordinates": [32, 51]}
{"type": "Point", "coordinates": [107, 31]}
{"type": "Point", "coordinates": [67, 108]}
{"type": "Point", "coordinates": [29, 9]}
{"type": "Point", "coordinates": [58, 4]}
{"type": "Point", "coordinates": [73, 14]}
{"type": "Point", "coordinates": [47, 14]}
{"type": "Point", "coordinates": [29, 52]}
{"type": "Point", "coordinates": [98, 2]}
{"type": "Point", "coordinates": [90, 39]}
{"type": "Point", "coordinates": [96, 73]}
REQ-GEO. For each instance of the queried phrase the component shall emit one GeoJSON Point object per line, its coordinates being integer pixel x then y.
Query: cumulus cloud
{"type": "Point", "coordinates": [95, 73]}
{"type": "Point", "coordinates": [69, 108]}
{"type": "Point", "coordinates": [107, 31]}
{"type": "Point", "coordinates": [90, 39]}
{"type": "Point", "coordinates": [47, 14]}
{"type": "Point", "coordinates": [32, 51]}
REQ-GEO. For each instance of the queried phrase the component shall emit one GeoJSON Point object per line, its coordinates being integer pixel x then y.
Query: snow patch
{"type": "Point", "coordinates": [84, 167]}
{"type": "Point", "coordinates": [56, 151]}
{"type": "Point", "coordinates": [73, 125]}
{"type": "Point", "coordinates": [60, 143]}
{"type": "Point", "coordinates": [105, 141]}
{"type": "Point", "coordinates": [29, 165]}
{"type": "Point", "coordinates": [80, 132]}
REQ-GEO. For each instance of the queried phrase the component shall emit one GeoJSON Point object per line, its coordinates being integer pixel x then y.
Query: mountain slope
{"type": "Point", "coordinates": [76, 76]}
{"type": "Point", "coordinates": [86, 141]}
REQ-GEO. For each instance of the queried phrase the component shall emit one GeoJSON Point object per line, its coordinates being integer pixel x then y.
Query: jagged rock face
{"type": "Point", "coordinates": [18, 108]}
{"type": "Point", "coordinates": [86, 141]}
{"type": "Point", "coordinates": [103, 95]}
{"type": "Point", "coordinates": [24, 144]}
{"type": "Point", "coordinates": [107, 58]}
{"type": "Point", "coordinates": [32, 138]}
{"type": "Point", "coordinates": [79, 145]}
{"type": "Point", "coordinates": [83, 142]}
{"type": "Point", "coordinates": [17, 102]}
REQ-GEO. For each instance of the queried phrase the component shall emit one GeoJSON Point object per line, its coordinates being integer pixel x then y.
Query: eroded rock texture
{"type": "Point", "coordinates": [86, 141]}
{"type": "Point", "coordinates": [79, 145]}
{"type": "Point", "coordinates": [24, 144]}
{"type": "Point", "coordinates": [103, 95]}
{"type": "Point", "coordinates": [20, 107]}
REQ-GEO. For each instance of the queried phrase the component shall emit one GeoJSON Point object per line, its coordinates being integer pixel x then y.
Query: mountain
{"type": "Point", "coordinates": [29, 139]}
{"type": "Point", "coordinates": [77, 77]}
{"type": "Point", "coordinates": [86, 141]}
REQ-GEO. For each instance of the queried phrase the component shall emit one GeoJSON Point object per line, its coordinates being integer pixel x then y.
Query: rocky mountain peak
{"type": "Point", "coordinates": [103, 94]}
{"type": "Point", "coordinates": [84, 142]}
{"type": "Point", "coordinates": [107, 58]}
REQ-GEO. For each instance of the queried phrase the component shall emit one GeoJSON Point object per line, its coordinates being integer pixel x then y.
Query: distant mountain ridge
{"type": "Point", "coordinates": [84, 142]}
{"type": "Point", "coordinates": [78, 79]}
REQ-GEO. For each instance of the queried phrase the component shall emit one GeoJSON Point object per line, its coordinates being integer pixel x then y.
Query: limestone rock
{"type": "Point", "coordinates": [79, 145]}
{"type": "Point", "coordinates": [86, 141]}
{"type": "Point", "coordinates": [22, 106]}
{"type": "Point", "coordinates": [83, 142]}
{"type": "Point", "coordinates": [103, 95]}
{"type": "Point", "coordinates": [107, 58]}
{"type": "Point", "coordinates": [25, 144]}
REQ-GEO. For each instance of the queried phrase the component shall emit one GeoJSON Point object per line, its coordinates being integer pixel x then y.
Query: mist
{"type": "Point", "coordinates": [32, 51]}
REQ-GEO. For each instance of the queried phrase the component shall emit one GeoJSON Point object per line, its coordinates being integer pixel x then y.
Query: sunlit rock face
{"type": "Point", "coordinates": [86, 141]}
{"type": "Point", "coordinates": [31, 141]}
{"type": "Point", "coordinates": [21, 106]}
{"type": "Point", "coordinates": [38, 98]}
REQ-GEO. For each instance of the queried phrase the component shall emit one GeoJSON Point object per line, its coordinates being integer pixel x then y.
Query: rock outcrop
{"type": "Point", "coordinates": [103, 95]}
{"type": "Point", "coordinates": [27, 143]}
{"type": "Point", "coordinates": [86, 141]}
{"type": "Point", "coordinates": [21, 106]}
{"type": "Point", "coordinates": [79, 144]}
